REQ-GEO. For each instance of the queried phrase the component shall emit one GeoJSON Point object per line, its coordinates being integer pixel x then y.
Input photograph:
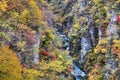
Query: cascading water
{"type": "Point", "coordinates": [112, 28]}
{"type": "Point", "coordinates": [86, 46]}
{"type": "Point", "coordinates": [77, 72]}
{"type": "Point", "coordinates": [111, 64]}
{"type": "Point", "coordinates": [36, 48]}
{"type": "Point", "coordinates": [85, 43]}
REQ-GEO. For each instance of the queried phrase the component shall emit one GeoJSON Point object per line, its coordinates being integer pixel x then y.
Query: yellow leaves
{"type": "Point", "coordinates": [55, 66]}
{"type": "Point", "coordinates": [3, 6]}
{"type": "Point", "coordinates": [4, 35]}
{"type": "Point", "coordinates": [103, 42]}
{"type": "Point", "coordinates": [95, 50]}
{"type": "Point", "coordinates": [96, 1]}
{"type": "Point", "coordinates": [21, 12]}
{"type": "Point", "coordinates": [82, 18]}
{"type": "Point", "coordinates": [100, 49]}
{"type": "Point", "coordinates": [14, 15]}
{"type": "Point", "coordinates": [95, 73]}
{"type": "Point", "coordinates": [36, 12]}
{"type": "Point", "coordinates": [92, 10]}
{"type": "Point", "coordinates": [50, 33]}
{"type": "Point", "coordinates": [97, 20]}
{"type": "Point", "coordinates": [77, 23]}
{"type": "Point", "coordinates": [24, 15]}
{"type": "Point", "coordinates": [106, 8]}
{"type": "Point", "coordinates": [77, 26]}
{"type": "Point", "coordinates": [116, 41]}
{"type": "Point", "coordinates": [103, 50]}
{"type": "Point", "coordinates": [23, 27]}
{"type": "Point", "coordinates": [32, 74]}
{"type": "Point", "coordinates": [10, 67]}
{"type": "Point", "coordinates": [21, 44]}
{"type": "Point", "coordinates": [118, 0]}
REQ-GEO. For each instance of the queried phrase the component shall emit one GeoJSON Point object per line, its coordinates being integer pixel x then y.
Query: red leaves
{"type": "Point", "coordinates": [29, 33]}
{"type": "Point", "coordinates": [46, 53]}
{"type": "Point", "coordinates": [31, 36]}
{"type": "Point", "coordinates": [115, 50]}
{"type": "Point", "coordinates": [27, 0]}
{"type": "Point", "coordinates": [118, 18]}
{"type": "Point", "coordinates": [53, 57]}
{"type": "Point", "coordinates": [10, 6]}
{"type": "Point", "coordinates": [25, 65]}
{"type": "Point", "coordinates": [70, 68]}
{"type": "Point", "coordinates": [42, 49]}
{"type": "Point", "coordinates": [34, 66]}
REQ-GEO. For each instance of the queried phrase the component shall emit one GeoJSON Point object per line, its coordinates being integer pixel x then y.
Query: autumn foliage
{"type": "Point", "coordinates": [10, 68]}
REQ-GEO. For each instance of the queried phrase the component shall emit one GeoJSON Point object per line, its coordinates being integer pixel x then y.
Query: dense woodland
{"type": "Point", "coordinates": [59, 39]}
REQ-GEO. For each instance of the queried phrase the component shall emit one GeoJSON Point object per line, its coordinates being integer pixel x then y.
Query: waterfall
{"type": "Point", "coordinates": [111, 65]}
{"type": "Point", "coordinates": [36, 48]}
{"type": "Point", "coordinates": [86, 46]}
{"type": "Point", "coordinates": [77, 72]}
{"type": "Point", "coordinates": [112, 27]}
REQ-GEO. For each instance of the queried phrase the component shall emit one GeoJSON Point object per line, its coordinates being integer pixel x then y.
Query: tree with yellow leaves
{"type": "Point", "coordinates": [10, 68]}
{"type": "Point", "coordinates": [35, 11]}
{"type": "Point", "coordinates": [3, 6]}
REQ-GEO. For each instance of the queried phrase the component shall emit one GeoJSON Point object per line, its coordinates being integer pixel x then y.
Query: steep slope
{"type": "Point", "coordinates": [93, 29]}
{"type": "Point", "coordinates": [63, 39]}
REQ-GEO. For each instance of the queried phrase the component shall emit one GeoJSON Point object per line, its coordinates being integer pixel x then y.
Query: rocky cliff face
{"type": "Point", "coordinates": [92, 27]}
{"type": "Point", "coordinates": [71, 39]}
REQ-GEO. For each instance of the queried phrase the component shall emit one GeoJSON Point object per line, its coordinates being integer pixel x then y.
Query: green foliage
{"type": "Point", "coordinates": [101, 9]}
{"type": "Point", "coordinates": [3, 35]}
{"type": "Point", "coordinates": [77, 22]}
{"type": "Point", "coordinates": [48, 37]}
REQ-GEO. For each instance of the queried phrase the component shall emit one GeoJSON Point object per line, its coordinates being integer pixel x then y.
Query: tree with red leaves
{"type": "Point", "coordinates": [118, 18]}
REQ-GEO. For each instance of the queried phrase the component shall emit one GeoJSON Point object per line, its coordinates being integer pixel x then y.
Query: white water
{"type": "Point", "coordinates": [36, 48]}
{"type": "Point", "coordinates": [78, 73]}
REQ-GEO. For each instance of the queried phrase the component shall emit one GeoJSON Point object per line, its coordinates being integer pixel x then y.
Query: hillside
{"type": "Point", "coordinates": [60, 39]}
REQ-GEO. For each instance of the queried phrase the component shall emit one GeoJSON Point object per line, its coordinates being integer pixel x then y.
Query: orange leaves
{"type": "Point", "coordinates": [31, 36]}
{"type": "Point", "coordinates": [95, 73]}
{"type": "Point", "coordinates": [42, 50]}
{"type": "Point", "coordinates": [118, 18]}
{"type": "Point", "coordinates": [70, 68]}
{"type": "Point", "coordinates": [116, 47]}
{"type": "Point", "coordinates": [10, 5]}
{"type": "Point", "coordinates": [100, 49]}
{"type": "Point", "coordinates": [46, 53]}
{"type": "Point", "coordinates": [116, 50]}
{"type": "Point", "coordinates": [10, 66]}
{"type": "Point", "coordinates": [54, 57]}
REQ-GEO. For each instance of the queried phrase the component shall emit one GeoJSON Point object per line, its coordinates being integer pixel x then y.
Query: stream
{"type": "Point", "coordinates": [36, 48]}
{"type": "Point", "coordinates": [78, 73]}
{"type": "Point", "coordinates": [87, 42]}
